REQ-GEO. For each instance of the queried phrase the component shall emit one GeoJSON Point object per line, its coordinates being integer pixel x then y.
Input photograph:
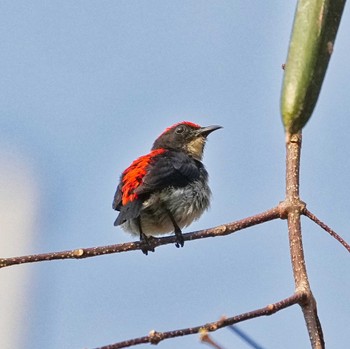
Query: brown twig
{"type": "Point", "coordinates": [155, 337]}
{"type": "Point", "coordinates": [294, 208]}
{"type": "Point", "coordinates": [80, 253]}
{"type": "Point", "coordinates": [206, 338]}
{"type": "Point", "coordinates": [331, 232]}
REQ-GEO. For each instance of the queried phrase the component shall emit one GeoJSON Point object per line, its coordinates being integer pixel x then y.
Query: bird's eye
{"type": "Point", "coordinates": [180, 129]}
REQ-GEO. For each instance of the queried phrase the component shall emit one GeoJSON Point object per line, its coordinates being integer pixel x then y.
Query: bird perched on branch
{"type": "Point", "coordinates": [167, 189]}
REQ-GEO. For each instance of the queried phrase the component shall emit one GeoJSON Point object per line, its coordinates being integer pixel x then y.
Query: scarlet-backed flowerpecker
{"type": "Point", "coordinates": [167, 189]}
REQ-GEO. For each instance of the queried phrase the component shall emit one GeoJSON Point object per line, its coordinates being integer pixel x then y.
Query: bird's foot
{"type": "Point", "coordinates": [147, 243]}
{"type": "Point", "coordinates": [179, 238]}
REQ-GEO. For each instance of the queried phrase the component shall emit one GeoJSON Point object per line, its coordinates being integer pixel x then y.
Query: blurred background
{"type": "Point", "coordinates": [85, 88]}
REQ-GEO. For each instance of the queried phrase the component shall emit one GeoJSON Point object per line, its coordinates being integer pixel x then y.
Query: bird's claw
{"type": "Point", "coordinates": [147, 244]}
{"type": "Point", "coordinates": [179, 239]}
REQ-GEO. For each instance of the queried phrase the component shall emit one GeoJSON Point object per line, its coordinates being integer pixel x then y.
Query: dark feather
{"type": "Point", "coordinates": [173, 168]}
{"type": "Point", "coordinates": [129, 211]}
{"type": "Point", "coordinates": [117, 201]}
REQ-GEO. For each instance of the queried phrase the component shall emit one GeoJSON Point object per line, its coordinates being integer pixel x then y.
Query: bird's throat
{"type": "Point", "coordinates": [195, 148]}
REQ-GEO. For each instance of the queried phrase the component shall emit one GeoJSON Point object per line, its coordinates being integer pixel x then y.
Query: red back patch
{"type": "Point", "coordinates": [133, 175]}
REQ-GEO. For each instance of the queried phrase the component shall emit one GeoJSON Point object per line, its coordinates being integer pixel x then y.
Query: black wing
{"type": "Point", "coordinates": [117, 201]}
{"type": "Point", "coordinates": [172, 168]}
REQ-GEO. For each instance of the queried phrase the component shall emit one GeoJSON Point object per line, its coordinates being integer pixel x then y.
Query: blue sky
{"type": "Point", "coordinates": [85, 88]}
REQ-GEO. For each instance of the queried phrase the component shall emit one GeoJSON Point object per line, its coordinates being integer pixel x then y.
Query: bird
{"type": "Point", "coordinates": [167, 189]}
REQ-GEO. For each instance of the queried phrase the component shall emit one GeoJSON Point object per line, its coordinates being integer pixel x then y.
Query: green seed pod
{"type": "Point", "coordinates": [314, 30]}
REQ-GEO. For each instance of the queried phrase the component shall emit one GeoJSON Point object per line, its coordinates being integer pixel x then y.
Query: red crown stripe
{"type": "Point", "coordinates": [133, 175]}
{"type": "Point", "coordinates": [188, 123]}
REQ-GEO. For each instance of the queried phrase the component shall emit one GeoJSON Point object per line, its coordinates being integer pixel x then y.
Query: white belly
{"type": "Point", "coordinates": [186, 205]}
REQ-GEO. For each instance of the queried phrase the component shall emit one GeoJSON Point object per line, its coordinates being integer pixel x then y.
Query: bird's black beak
{"type": "Point", "coordinates": [205, 131]}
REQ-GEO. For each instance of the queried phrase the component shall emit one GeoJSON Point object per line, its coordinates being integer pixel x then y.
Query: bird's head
{"type": "Point", "coordinates": [185, 136]}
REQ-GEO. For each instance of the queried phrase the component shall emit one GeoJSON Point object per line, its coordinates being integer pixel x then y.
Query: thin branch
{"type": "Point", "coordinates": [294, 208]}
{"type": "Point", "coordinates": [331, 232]}
{"type": "Point", "coordinates": [80, 253]}
{"type": "Point", "coordinates": [155, 337]}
